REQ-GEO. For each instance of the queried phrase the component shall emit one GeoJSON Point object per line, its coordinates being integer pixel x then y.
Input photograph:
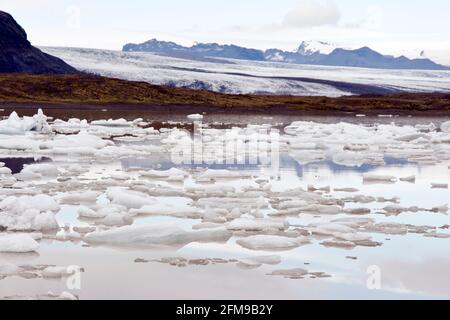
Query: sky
{"type": "Point", "coordinates": [392, 27]}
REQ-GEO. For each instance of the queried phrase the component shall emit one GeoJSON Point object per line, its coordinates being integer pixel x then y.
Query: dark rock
{"type": "Point", "coordinates": [18, 55]}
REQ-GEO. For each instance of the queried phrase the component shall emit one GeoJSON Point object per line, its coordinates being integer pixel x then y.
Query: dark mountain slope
{"type": "Point", "coordinates": [18, 55]}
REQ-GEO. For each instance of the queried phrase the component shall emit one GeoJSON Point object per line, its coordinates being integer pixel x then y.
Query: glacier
{"type": "Point", "coordinates": [250, 77]}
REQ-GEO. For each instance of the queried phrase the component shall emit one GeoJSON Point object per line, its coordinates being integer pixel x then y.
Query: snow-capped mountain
{"type": "Point", "coordinates": [309, 52]}
{"type": "Point", "coordinates": [308, 48]}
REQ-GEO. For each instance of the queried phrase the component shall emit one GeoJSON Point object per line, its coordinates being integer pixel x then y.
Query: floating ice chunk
{"type": "Point", "coordinates": [349, 190]}
{"type": "Point", "coordinates": [340, 244]}
{"type": "Point", "coordinates": [8, 270]}
{"type": "Point", "coordinates": [271, 243]}
{"type": "Point", "coordinates": [350, 159]}
{"type": "Point", "coordinates": [215, 215]}
{"type": "Point", "coordinates": [45, 222]}
{"type": "Point", "coordinates": [330, 229]}
{"type": "Point", "coordinates": [39, 170]}
{"type": "Point", "coordinates": [436, 185]}
{"type": "Point", "coordinates": [387, 228]}
{"type": "Point", "coordinates": [440, 209]}
{"type": "Point", "coordinates": [206, 225]}
{"type": "Point", "coordinates": [353, 237]}
{"type": "Point", "coordinates": [16, 125]}
{"type": "Point", "coordinates": [168, 174]}
{"type": "Point", "coordinates": [248, 264]}
{"type": "Point", "coordinates": [5, 170]}
{"type": "Point", "coordinates": [70, 144]}
{"type": "Point", "coordinates": [445, 127]}
{"type": "Point", "coordinates": [195, 117]}
{"type": "Point", "coordinates": [211, 174]}
{"type": "Point", "coordinates": [304, 158]}
{"type": "Point", "coordinates": [296, 273]}
{"type": "Point", "coordinates": [18, 143]}
{"type": "Point", "coordinates": [55, 272]}
{"type": "Point", "coordinates": [77, 198]}
{"type": "Point", "coordinates": [358, 211]}
{"type": "Point", "coordinates": [271, 260]}
{"type": "Point", "coordinates": [112, 123]}
{"type": "Point", "coordinates": [17, 205]}
{"type": "Point", "coordinates": [155, 235]}
{"type": "Point", "coordinates": [312, 188]}
{"type": "Point", "coordinates": [396, 209]}
{"type": "Point", "coordinates": [116, 219]}
{"type": "Point", "coordinates": [86, 212]}
{"type": "Point", "coordinates": [413, 137]}
{"type": "Point", "coordinates": [378, 178]}
{"type": "Point", "coordinates": [17, 243]}
{"type": "Point", "coordinates": [84, 230]}
{"type": "Point", "coordinates": [162, 209]}
{"type": "Point", "coordinates": [128, 198]}
{"type": "Point", "coordinates": [257, 225]}
{"type": "Point", "coordinates": [211, 190]}
{"type": "Point", "coordinates": [411, 179]}
{"type": "Point", "coordinates": [321, 209]}
{"type": "Point", "coordinates": [290, 204]}
{"type": "Point", "coordinates": [437, 235]}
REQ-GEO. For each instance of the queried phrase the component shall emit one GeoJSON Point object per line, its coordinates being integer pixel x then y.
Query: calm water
{"type": "Point", "coordinates": [411, 266]}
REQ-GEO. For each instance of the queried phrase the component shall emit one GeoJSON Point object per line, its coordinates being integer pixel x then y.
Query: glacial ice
{"type": "Point", "coordinates": [15, 125]}
{"type": "Point", "coordinates": [271, 243]}
{"type": "Point", "coordinates": [166, 234]}
{"type": "Point", "coordinates": [17, 243]}
{"type": "Point", "coordinates": [114, 194]}
{"type": "Point", "coordinates": [195, 117]}
{"type": "Point", "coordinates": [161, 209]}
{"type": "Point", "coordinates": [129, 198]}
{"type": "Point", "coordinates": [257, 225]}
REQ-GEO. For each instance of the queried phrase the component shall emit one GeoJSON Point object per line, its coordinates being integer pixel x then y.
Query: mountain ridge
{"type": "Point", "coordinates": [309, 52]}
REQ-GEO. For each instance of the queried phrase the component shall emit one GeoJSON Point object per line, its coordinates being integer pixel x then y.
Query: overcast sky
{"type": "Point", "coordinates": [385, 25]}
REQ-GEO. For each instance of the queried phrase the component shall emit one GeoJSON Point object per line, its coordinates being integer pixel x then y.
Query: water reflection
{"type": "Point", "coordinates": [17, 164]}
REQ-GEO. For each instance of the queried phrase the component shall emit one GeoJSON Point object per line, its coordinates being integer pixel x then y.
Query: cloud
{"type": "Point", "coordinates": [312, 13]}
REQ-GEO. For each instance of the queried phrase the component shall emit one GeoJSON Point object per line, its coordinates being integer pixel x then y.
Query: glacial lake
{"type": "Point", "coordinates": [228, 206]}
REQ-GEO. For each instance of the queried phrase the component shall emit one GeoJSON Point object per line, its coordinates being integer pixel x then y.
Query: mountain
{"type": "Point", "coordinates": [198, 50]}
{"type": "Point", "coordinates": [368, 58]}
{"type": "Point", "coordinates": [18, 55]}
{"type": "Point", "coordinates": [309, 52]}
{"type": "Point", "coordinates": [309, 48]}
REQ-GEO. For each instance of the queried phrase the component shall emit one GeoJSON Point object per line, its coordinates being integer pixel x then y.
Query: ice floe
{"type": "Point", "coordinates": [17, 243]}
{"type": "Point", "coordinates": [271, 243]}
{"type": "Point", "coordinates": [155, 235]}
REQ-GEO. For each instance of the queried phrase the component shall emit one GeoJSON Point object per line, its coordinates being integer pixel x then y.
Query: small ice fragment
{"type": "Point", "coordinates": [296, 273]}
{"type": "Point", "coordinates": [55, 272]}
{"type": "Point", "coordinates": [411, 179]}
{"type": "Point", "coordinates": [349, 190]}
{"type": "Point", "coordinates": [257, 225]}
{"type": "Point", "coordinates": [435, 185]}
{"type": "Point", "coordinates": [195, 116]}
{"type": "Point", "coordinates": [378, 178]}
